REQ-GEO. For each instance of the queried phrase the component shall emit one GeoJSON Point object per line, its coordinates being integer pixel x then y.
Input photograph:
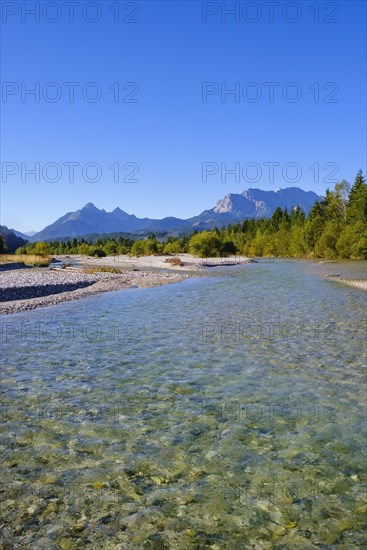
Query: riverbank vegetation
{"type": "Point", "coordinates": [34, 260]}
{"type": "Point", "coordinates": [335, 228]}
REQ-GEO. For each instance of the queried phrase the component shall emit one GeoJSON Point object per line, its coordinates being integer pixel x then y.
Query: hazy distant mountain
{"type": "Point", "coordinates": [91, 220]}
{"type": "Point", "coordinates": [23, 235]}
{"type": "Point", "coordinates": [166, 224]}
{"type": "Point", "coordinates": [12, 241]}
{"type": "Point", "coordinates": [251, 203]}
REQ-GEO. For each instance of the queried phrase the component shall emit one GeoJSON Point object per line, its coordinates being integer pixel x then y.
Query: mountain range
{"type": "Point", "coordinates": [251, 203]}
{"type": "Point", "coordinates": [11, 239]}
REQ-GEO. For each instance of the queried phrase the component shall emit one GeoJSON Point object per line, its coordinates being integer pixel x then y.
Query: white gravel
{"type": "Point", "coordinates": [29, 283]}
{"type": "Point", "coordinates": [29, 288]}
{"type": "Point", "coordinates": [24, 288]}
{"type": "Point", "coordinates": [358, 283]}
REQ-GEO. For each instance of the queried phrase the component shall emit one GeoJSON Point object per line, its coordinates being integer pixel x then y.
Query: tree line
{"type": "Point", "coordinates": [335, 228]}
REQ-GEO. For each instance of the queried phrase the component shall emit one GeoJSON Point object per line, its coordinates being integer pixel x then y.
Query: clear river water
{"type": "Point", "coordinates": [223, 412]}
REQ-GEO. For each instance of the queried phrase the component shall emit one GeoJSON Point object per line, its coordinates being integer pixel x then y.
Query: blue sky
{"type": "Point", "coordinates": [166, 124]}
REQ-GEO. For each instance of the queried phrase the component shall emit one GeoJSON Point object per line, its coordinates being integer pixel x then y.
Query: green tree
{"type": "Point", "coordinates": [255, 247]}
{"type": "Point", "coordinates": [99, 252]}
{"type": "Point", "coordinates": [347, 241]}
{"type": "Point", "coordinates": [20, 250]}
{"type": "Point", "coordinates": [325, 246]}
{"type": "Point", "coordinates": [314, 225]}
{"type": "Point", "coordinates": [276, 219]}
{"type": "Point", "coordinates": [137, 248]}
{"type": "Point", "coordinates": [357, 206]}
{"type": "Point", "coordinates": [228, 248]}
{"type": "Point", "coordinates": [2, 245]}
{"type": "Point", "coordinates": [297, 216]}
{"type": "Point", "coordinates": [297, 243]}
{"type": "Point", "coordinates": [205, 245]}
{"type": "Point", "coordinates": [342, 191]}
{"type": "Point", "coordinates": [42, 249]}
{"type": "Point", "coordinates": [84, 249]}
{"type": "Point", "coordinates": [173, 247]}
{"type": "Point", "coordinates": [335, 202]}
{"type": "Point", "coordinates": [110, 248]}
{"type": "Point", "coordinates": [150, 247]}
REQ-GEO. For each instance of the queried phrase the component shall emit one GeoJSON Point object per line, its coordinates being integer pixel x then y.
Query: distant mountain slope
{"type": "Point", "coordinates": [251, 203]}
{"type": "Point", "coordinates": [255, 203]}
{"type": "Point", "coordinates": [91, 220]}
{"type": "Point", "coordinates": [166, 224]}
{"type": "Point", "coordinates": [25, 236]}
{"type": "Point", "coordinates": [11, 240]}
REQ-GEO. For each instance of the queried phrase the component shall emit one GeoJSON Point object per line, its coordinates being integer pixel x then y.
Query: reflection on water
{"type": "Point", "coordinates": [216, 413]}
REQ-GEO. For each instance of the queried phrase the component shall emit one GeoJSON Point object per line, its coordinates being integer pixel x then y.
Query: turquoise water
{"type": "Point", "coordinates": [215, 413]}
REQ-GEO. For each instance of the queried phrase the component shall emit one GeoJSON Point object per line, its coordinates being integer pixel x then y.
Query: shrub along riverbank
{"type": "Point", "coordinates": [335, 228]}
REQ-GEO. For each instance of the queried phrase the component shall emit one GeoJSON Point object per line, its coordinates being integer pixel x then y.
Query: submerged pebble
{"type": "Point", "coordinates": [184, 435]}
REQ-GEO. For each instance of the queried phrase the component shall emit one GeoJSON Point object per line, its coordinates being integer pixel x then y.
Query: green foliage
{"type": "Point", "coordinates": [84, 249]}
{"type": "Point", "coordinates": [3, 249]}
{"type": "Point", "coordinates": [346, 243]}
{"type": "Point", "coordinates": [21, 250]}
{"type": "Point", "coordinates": [99, 252]}
{"type": "Point", "coordinates": [335, 227]}
{"type": "Point", "coordinates": [326, 245]}
{"type": "Point", "coordinates": [42, 263]}
{"type": "Point", "coordinates": [137, 248]}
{"type": "Point", "coordinates": [228, 248]}
{"type": "Point", "coordinates": [110, 248]}
{"type": "Point", "coordinates": [357, 207]}
{"type": "Point", "coordinates": [150, 247]}
{"type": "Point", "coordinates": [205, 245]}
{"type": "Point", "coordinates": [174, 247]}
{"type": "Point", "coordinates": [147, 247]}
{"type": "Point", "coordinates": [297, 216]}
{"type": "Point", "coordinates": [41, 249]}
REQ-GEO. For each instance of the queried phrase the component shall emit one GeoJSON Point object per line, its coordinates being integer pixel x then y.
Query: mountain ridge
{"type": "Point", "coordinates": [251, 203]}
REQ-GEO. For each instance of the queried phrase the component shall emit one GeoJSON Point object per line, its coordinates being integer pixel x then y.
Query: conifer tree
{"type": "Point", "coordinates": [357, 207]}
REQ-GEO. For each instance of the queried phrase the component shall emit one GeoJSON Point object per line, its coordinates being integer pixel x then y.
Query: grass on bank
{"type": "Point", "coordinates": [104, 269]}
{"type": "Point", "coordinates": [27, 259]}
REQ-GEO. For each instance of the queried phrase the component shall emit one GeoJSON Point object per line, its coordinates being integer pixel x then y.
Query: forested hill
{"type": "Point", "coordinates": [335, 227]}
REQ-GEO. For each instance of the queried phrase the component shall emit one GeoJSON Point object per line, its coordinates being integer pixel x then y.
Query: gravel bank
{"type": "Point", "coordinates": [23, 288]}
{"type": "Point", "coordinates": [358, 283]}
{"type": "Point", "coordinates": [30, 288]}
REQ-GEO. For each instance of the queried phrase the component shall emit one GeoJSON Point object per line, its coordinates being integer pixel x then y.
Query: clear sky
{"type": "Point", "coordinates": [180, 59]}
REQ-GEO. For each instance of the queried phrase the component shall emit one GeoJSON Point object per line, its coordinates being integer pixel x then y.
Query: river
{"type": "Point", "coordinates": [219, 412]}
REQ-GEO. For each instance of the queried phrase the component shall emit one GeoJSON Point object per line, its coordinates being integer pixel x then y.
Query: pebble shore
{"type": "Point", "coordinates": [25, 288]}
{"type": "Point", "coordinates": [357, 283]}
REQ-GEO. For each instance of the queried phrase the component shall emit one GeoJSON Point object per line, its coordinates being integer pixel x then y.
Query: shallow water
{"type": "Point", "coordinates": [215, 413]}
{"type": "Point", "coordinates": [339, 268]}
